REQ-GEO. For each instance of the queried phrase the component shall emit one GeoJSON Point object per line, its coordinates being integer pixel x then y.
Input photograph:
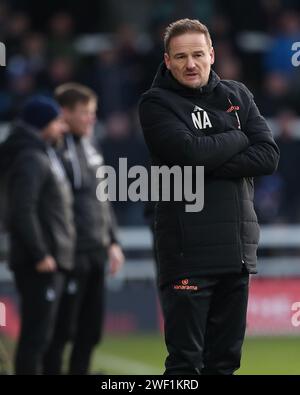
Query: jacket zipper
{"type": "Point", "coordinates": [236, 114]}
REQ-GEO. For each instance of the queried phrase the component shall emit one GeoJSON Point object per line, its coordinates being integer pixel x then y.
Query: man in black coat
{"type": "Point", "coordinates": [81, 311]}
{"type": "Point", "coordinates": [40, 222]}
{"type": "Point", "coordinates": [192, 118]}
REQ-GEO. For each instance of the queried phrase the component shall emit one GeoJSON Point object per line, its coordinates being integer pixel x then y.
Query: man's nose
{"type": "Point", "coordinates": [190, 63]}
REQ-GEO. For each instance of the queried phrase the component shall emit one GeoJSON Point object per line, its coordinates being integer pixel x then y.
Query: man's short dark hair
{"type": "Point", "coordinates": [70, 94]}
{"type": "Point", "coordinates": [183, 26]}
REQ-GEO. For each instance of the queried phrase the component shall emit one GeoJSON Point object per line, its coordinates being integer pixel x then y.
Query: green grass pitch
{"type": "Point", "coordinates": [145, 354]}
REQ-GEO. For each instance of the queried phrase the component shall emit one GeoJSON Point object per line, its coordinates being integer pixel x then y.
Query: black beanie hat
{"type": "Point", "coordinates": [39, 111]}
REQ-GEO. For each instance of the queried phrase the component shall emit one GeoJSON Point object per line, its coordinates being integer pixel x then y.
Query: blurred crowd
{"type": "Point", "coordinates": [252, 41]}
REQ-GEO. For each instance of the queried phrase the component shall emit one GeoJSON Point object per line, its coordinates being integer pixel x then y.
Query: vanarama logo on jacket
{"type": "Point", "coordinates": [185, 286]}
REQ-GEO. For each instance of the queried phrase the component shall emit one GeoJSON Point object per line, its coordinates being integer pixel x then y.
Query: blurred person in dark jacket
{"type": "Point", "coordinates": [83, 301]}
{"type": "Point", "coordinates": [40, 221]}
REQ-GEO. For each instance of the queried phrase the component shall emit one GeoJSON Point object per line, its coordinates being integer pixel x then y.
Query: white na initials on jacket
{"type": "Point", "coordinates": [200, 118]}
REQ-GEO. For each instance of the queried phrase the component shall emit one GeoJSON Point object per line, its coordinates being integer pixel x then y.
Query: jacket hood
{"type": "Point", "coordinates": [164, 79]}
{"type": "Point", "coordinates": [20, 139]}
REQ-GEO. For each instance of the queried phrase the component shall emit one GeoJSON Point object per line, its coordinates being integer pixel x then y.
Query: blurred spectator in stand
{"type": "Point", "coordinates": [60, 70]}
{"type": "Point", "coordinates": [130, 60]}
{"type": "Point", "coordinates": [112, 82]}
{"type": "Point", "coordinates": [18, 26]}
{"type": "Point", "coordinates": [274, 95]}
{"type": "Point", "coordinates": [268, 195]}
{"type": "Point", "coordinates": [278, 58]}
{"type": "Point", "coordinates": [221, 28]}
{"type": "Point", "coordinates": [122, 142]}
{"type": "Point", "coordinates": [34, 51]}
{"type": "Point", "coordinates": [4, 19]}
{"type": "Point", "coordinates": [278, 196]}
{"type": "Point", "coordinates": [227, 65]}
{"type": "Point", "coordinates": [18, 86]}
{"type": "Point", "coordinates": [153, 57]}
{"type": "Point", "coordinates": [106, 79]}
{"type": "Point", "coordinates": [223, 38]}
{"type": "Point", "coordinates": [20, 73]}
{"type": "Point", "coordinates": [289, 146]}
{"type": "Point", "coordinates": [229, 68]}
{"type": "Point", "coordinates": [61, 35]}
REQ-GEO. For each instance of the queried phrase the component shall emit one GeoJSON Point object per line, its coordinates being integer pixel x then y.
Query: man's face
{"type": "Point", "coordinates": [81, 119]}
{"type": "Point", "coordinates": [189, 59]}
{"type": "Point", "coordinates": [54, 130]}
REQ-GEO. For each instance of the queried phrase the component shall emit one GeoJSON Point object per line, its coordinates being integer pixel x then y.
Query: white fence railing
{"type": "Point", "coordinates": [137, 244]}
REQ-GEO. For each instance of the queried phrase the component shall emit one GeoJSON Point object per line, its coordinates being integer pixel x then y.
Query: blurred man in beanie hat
{"type": "Point", "coordinates": [39, 111]}
{"type": "Point", "coordinates": [41, 226]}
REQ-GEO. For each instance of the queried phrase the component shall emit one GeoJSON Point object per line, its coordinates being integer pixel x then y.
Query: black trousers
{"type": "Point", "coordinates": [39, 297]}
{"type": "Point", "coordinates": [80, 316]}
{"type": "Point", "coordinates": [205, 322]}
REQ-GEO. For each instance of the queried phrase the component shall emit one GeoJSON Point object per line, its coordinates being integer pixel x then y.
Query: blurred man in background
{"type": "Point", "coordinates": [192, 118]}
{"type": "Point", "coordinates": [40, 220]}
{"type": "Point", "coordinates": [83, 300]}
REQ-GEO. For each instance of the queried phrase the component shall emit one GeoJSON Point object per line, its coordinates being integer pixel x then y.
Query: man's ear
{"type": "Point", "coordinates": [212, 55]}
{"type": "Point", "coordinates": [167, 60]}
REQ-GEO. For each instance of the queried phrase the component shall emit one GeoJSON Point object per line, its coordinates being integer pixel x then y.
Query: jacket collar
{"type": "Point", "coordinates": [164, 79]}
